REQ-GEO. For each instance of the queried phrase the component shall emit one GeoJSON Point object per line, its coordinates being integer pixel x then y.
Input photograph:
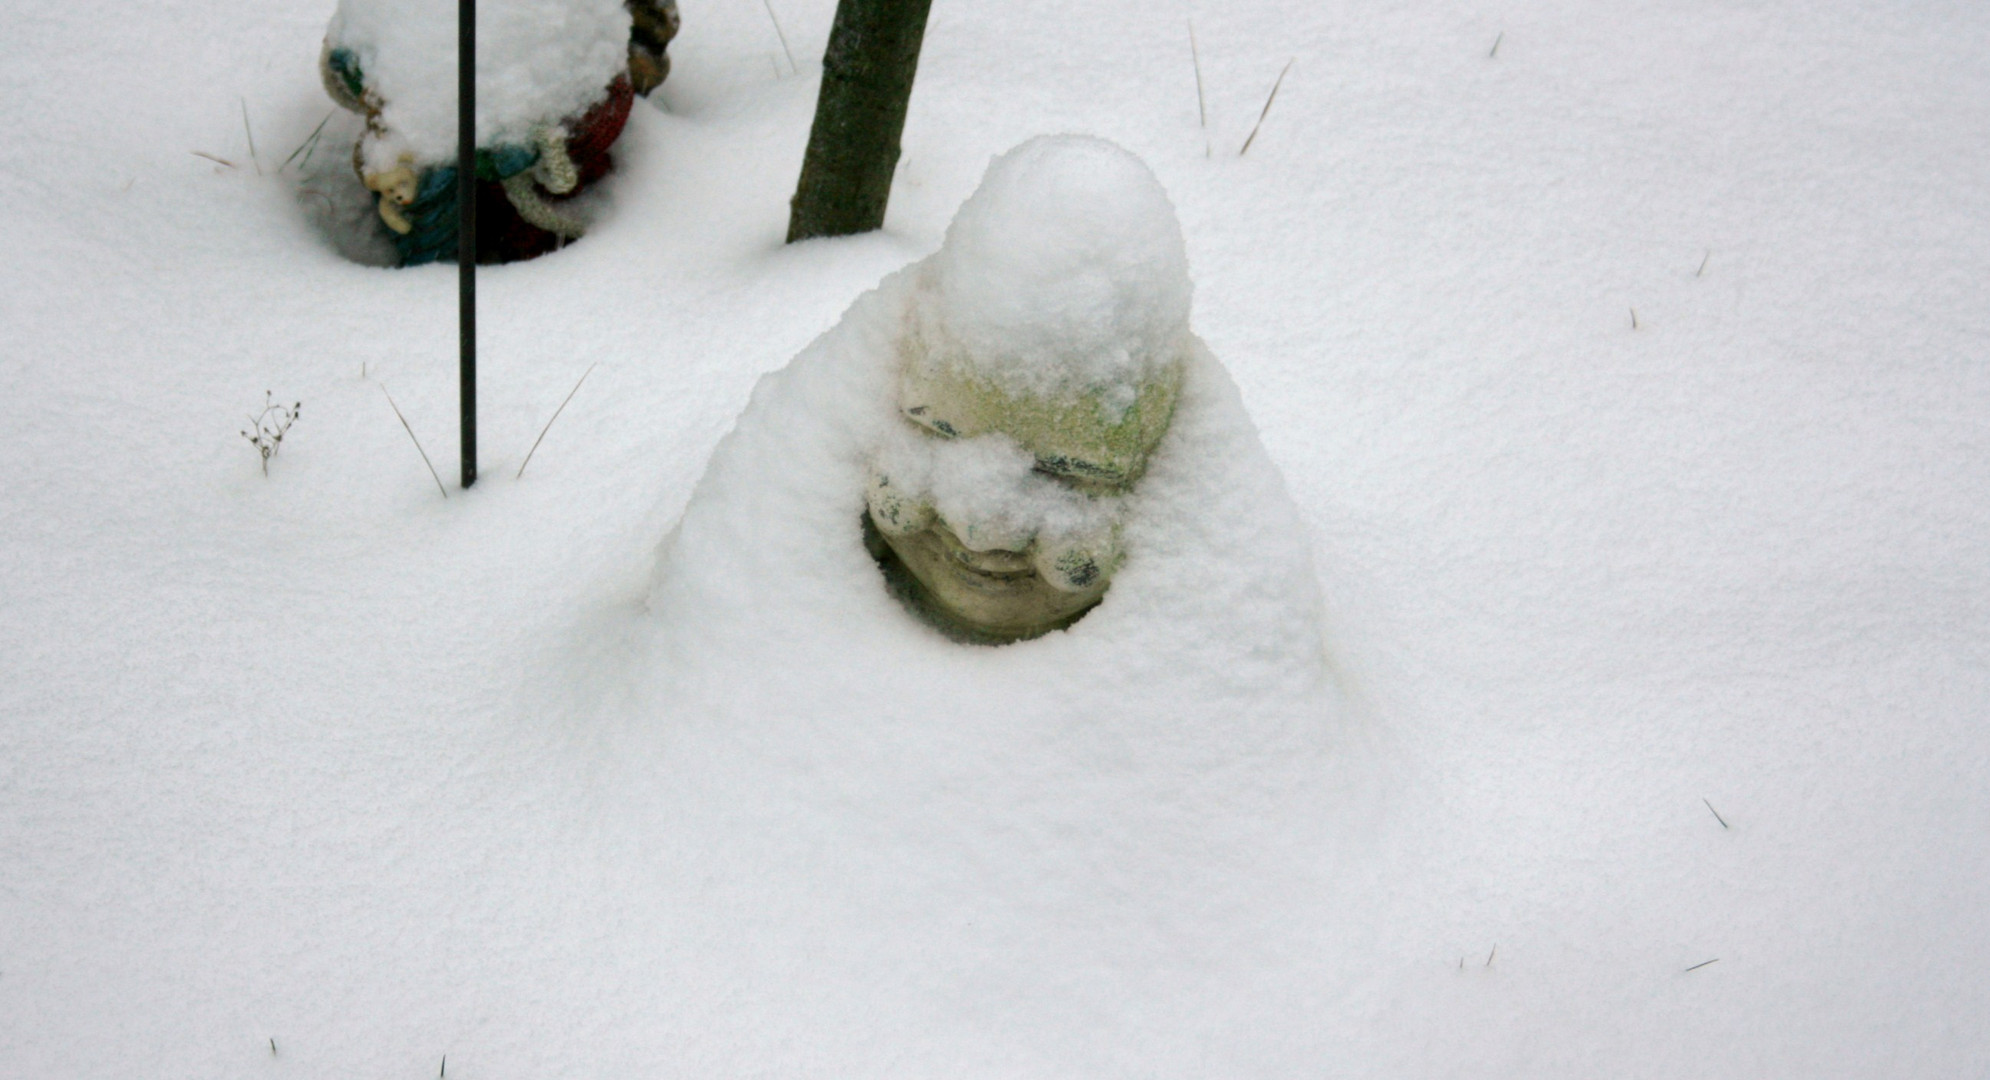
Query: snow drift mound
{"type": "Point", "coordinates": [1127, 820]}
{"type": "Point", "coordinates": [1217, 589]}
{"type": "Point", "coordinates": [1216, 603]}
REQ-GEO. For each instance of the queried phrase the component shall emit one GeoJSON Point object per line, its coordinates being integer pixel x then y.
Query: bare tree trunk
{"type": "Point", "coordinates": [853, 148]}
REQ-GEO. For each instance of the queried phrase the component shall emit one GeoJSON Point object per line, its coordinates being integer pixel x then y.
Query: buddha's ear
{"type": "Point", "coordinates": [926, 417]}
{"type": "Point", "coordinates": [923, 400]}
{"type": "Point", "coordinates": [1157, 403]}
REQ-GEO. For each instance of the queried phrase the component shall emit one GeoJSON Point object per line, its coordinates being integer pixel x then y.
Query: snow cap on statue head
{"type": "Point", "coordinates": [1062, 285]}
{"type": "Point", "coordinates": [1065, 270]}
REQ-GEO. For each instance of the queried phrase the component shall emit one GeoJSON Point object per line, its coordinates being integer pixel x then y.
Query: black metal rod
{"type": "Point", "coordinates": [466, 227]}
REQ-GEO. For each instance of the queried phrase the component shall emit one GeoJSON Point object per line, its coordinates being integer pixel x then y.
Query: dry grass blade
{"type": "Point", "coordinates": [1704, 963]}
{"type": "Point", "coordinates": [216, 160]}
{"type": "Point", "coordinates": [411, 438]}
{"type": "Point", "coordinates": [310, 141]}
{"type": "Point", "coordinates": [769, 5]}
{"type": "Point", "coordinates": [1195, 57]}
{"type": "Point", "coordinates": [549, 423]}
{"type": "Point", "coordinates": [250, 132]}
{"type": "Point", "coordinates": [1262, 113]}
{"type": "Point", "coordinates": [1495, 45]}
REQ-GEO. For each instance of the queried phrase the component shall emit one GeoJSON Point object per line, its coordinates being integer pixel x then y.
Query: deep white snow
{"type": "Point", "coordinates": [325, 775]}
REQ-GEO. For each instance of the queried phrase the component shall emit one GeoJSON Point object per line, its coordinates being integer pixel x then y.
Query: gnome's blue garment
{"type": "Point", "coordinates": [433, 213]}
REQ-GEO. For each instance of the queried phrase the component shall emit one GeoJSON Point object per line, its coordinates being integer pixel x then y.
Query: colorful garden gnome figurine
{"type": "Point", "coordinates": [556, 79]}
{"type": "Point", "coordinates": [1041, 364]}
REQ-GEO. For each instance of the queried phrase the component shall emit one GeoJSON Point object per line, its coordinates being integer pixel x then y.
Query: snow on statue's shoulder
{"type": "Point", "coordinates": [1019, 440]}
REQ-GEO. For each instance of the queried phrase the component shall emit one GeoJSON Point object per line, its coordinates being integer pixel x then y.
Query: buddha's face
{"type": "Point", "coordinates": [995, 583]}
{"type": "Point", "coordinates": [1004, 513]}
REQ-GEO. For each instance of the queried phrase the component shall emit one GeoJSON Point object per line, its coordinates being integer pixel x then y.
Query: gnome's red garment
{"type": "Point", "coordinates": [502, 235]}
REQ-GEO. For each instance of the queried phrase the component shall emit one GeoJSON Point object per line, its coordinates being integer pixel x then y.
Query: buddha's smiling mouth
{"type": "Point", "coordinates": [991, 571]}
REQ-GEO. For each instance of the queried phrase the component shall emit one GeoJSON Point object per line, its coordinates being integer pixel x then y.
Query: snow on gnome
{"type": "Point", "coordinates": [555, 82]}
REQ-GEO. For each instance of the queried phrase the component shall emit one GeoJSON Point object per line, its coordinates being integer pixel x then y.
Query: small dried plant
{"type": "Point", "coordinates": [267, 428]}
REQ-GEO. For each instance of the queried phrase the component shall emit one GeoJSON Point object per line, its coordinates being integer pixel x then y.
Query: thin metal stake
{"type": "Point", "coordinates": [466, 227]}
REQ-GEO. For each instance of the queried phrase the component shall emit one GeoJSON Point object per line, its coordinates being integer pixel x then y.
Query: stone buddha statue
{"type": "Point", "coordinates": [1040, 364]}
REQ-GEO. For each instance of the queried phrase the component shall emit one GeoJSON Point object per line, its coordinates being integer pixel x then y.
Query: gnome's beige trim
{"type": "Point", "coordinates": [555, 171]}
{"type": "Point", "coordinates": [397, 187]}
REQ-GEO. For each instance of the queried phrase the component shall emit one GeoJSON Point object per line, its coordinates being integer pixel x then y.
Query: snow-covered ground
{"type": "Point", "coordinates": [325, 775]}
